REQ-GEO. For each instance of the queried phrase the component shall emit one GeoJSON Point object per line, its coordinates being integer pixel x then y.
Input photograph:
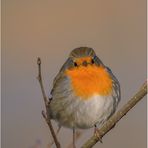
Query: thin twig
{"type": "Point", "coordinates": [115, 118]}
{"type": "Point", "coordinates": [57, 132]}
{"type": "Point", "coordinates": [40, 81]}
{"type": "Point", "coordinates": [46, 116]}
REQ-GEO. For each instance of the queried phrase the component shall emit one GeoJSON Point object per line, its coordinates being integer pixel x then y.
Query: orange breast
{"type": "Point", "coordinates": [90, 80]}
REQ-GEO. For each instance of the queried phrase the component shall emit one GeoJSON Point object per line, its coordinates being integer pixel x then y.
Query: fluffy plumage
{"type": "Point", "coordinates": [85, 92]}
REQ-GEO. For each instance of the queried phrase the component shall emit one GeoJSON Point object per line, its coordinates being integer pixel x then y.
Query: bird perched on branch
{"type": "Point", "coordinates": [85, 92]}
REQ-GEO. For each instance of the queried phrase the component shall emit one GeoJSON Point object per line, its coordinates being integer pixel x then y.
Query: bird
{"type": "Point", "coordinates": [85, 92]}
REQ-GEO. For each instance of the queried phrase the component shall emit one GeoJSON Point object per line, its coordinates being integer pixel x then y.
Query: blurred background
{"type": "Point", "coordinates": [115, 29]}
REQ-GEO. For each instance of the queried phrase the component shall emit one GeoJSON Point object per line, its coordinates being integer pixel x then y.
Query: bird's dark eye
{"type": "Point", "coordinates": [92, 61]}
{"type": "Point", "coordinates": [75, 64]}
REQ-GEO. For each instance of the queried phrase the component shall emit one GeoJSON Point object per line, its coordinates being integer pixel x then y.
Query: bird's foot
{"type": "Point", "coordinates": [97, 134]}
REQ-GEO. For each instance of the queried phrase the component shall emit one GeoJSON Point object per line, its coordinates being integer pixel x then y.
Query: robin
{"type": "Point", "coordinates": [85, 92]}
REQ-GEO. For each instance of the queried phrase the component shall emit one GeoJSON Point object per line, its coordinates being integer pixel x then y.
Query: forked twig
{"type": "Point", "coordinates": [115, 118]}
{"type": "Point", "coordinates": [45, 115]}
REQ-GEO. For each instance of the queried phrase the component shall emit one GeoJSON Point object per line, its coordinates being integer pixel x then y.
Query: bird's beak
{"type": "Point", "coordinates": [85, 63]}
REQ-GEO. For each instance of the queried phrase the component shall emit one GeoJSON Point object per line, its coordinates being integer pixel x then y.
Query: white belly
{"type": "Point", "coordinates": [78, 113]}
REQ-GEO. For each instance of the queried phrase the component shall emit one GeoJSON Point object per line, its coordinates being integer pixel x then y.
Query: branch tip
{"type": "Point", "coordinates": [39, 61]}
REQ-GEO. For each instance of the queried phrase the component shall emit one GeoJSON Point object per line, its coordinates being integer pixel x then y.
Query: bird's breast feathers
{"type": "Point", "coordinates": [90, 80]}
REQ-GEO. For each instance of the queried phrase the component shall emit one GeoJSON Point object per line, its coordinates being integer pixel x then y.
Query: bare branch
{"type": "Point", "coordinates": [115, 118]}
{"type": "Point", "coordinates": [46, 116]}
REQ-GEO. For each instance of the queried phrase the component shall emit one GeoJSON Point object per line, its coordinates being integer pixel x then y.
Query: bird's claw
{"type": "Point", "coordinates": [97, 134]}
